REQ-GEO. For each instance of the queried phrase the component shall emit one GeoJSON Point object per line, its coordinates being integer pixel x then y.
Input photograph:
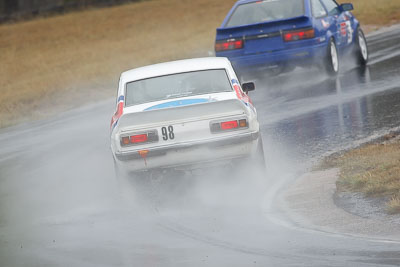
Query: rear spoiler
{"type": "Point", "coordinates": [224, 33]}
{"type": "Point", "coordinates": [184, 113]}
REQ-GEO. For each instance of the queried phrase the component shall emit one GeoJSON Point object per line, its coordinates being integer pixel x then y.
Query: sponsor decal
{"type": "Point", "coordinates": [350, 32]}
{"type": "Point", "coordinates": [347, 31]}
{"type": "Point", "coordinates": [325, 24]}
{"type": "Point", "coordinates": [343, 29]}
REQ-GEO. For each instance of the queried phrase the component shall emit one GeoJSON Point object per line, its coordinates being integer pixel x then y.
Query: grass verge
{"type": "Point", "coordinates": [58, 62]}
{"type": "Point", "coordinates": [53, 64]}
{"type": "Point", "coordinates": [373, 169]}
{"type": "Point", "coordinates": [378, 13]}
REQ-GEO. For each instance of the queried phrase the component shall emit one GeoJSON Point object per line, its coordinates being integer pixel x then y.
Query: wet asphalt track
{"type": "Point", "coordinates": [59, 202]}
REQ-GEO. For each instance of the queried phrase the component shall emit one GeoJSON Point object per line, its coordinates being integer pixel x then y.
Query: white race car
{"type": "Point", "coordinates": [185, 114]}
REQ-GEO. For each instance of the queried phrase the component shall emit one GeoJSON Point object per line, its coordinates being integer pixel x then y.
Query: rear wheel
{"type": "Point", "coordinates": [149, 188]}
{"type": "Point", "coordinates": [253, 165]}
{"type": "Point", "coordinates": [124, 186]}
{"type": "Point", "coordinates": [361, 48]}
{"type": "Point", "coordinates": [332, 59]}
{"type": "Point", "coordinates": [130, 184]}
{"type": "Point", "coordinates": [260, 158]}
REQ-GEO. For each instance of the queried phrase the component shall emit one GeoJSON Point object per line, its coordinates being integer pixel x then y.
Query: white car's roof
{"type": "Point", "coordinates": [172, 67]}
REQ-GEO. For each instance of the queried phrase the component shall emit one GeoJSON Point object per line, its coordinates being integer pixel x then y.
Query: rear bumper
{"type": "Point", "coordinates": [296, 56]}
{"type": "Point", "coordinates": [187, 155]}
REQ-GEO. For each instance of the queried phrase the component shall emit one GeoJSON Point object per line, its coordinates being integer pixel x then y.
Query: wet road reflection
{"type": "Point", "coordinates": [315, 117]}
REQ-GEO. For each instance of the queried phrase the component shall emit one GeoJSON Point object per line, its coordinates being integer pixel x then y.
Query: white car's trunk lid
{"type": "Point", "coordinates": [180, 124]}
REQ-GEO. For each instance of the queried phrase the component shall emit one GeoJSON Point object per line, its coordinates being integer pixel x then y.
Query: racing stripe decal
{"type": "Point", "coordinates": [179, 103]}
{"type": "Point", "coordinates": [240, 94]}
{"type": "Point", "coordinates": [118, 113]}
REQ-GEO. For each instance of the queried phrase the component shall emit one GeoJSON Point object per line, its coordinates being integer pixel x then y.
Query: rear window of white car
{"type": "Point", "coordinates": [177, 85]}
{"type": "Point", "coordinates": [263, 11]}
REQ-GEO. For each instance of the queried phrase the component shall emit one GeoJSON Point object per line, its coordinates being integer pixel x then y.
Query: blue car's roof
{"type": "Point", "coordinates": [246, 1]}
{"type": "Point", "coordinates": [240, 2]}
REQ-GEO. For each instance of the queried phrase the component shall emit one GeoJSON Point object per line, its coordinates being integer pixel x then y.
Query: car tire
{"type": "Point", "coordinates": [148, 188]}
{"type": "Point", "coordinates": [331, 61]}
{"type": "Point", "coordinates": [260, 157]}
{"type": "Point", "coordinates": [361, 48]}
{"type": "Point", "coordinates": [253, 165]}
{"type": "Point", "coordinates": [129, 184]}
{"type": "Point", "coordinates": [124, 188]}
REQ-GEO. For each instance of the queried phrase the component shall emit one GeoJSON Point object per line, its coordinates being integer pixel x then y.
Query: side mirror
{"type": "Point", "coordinates": [346, 7]}
{"type": "Point", "coordinates": [247, 87]}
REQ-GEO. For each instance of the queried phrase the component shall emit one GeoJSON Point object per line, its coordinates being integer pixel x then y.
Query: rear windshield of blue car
{"type": "Point", "coordinates": [264, 11]}
{"type": "Point", "coordinates": [177, 85]}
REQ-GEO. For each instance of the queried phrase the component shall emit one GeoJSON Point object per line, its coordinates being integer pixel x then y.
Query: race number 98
{"type": "Point", "coordinates": [168, 133]}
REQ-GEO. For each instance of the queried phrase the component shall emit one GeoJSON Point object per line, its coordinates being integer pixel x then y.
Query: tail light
{"type": "Point", "coordinates": [302, 34]}
{"type": "Point", "coordinates": [139, 138]}
{"type": "Point", "coordinates": [228, 45]}
{"type": "Point", "coordinates": [229, 125]}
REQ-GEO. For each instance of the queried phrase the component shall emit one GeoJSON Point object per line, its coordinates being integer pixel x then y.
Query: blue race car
{"type": "Point", "coordinates": [286, 33]}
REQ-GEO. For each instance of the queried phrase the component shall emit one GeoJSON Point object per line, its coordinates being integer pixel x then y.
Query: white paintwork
{"type": "Point", "coordinates": [172, 67]}
{"type": "Point", "coordinates": [191, 123]}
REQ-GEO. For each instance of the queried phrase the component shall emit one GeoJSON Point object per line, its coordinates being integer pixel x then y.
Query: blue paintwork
{"type": "Point", "coordinates": [120, 98]}
{"type": "Point", "coordinates": [258, 53]}
{"type": "Point", "coordinates": [179, 103]}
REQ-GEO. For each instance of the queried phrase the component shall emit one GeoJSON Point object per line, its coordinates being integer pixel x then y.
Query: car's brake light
{"type": "Point", "coordinates": [228, 125]}
{"type": "Point", "coordinates": [303, 34]}
{"type": "Point", "coordinates": [228, 45]}
{"type": "Point", "coordinates": [221, 126]}
{"type": "Point", "coordinates": [139, 138]}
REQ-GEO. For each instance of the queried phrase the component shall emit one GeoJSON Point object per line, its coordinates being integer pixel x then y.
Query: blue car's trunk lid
{"type": "Point", "coordinates": [261, 37]}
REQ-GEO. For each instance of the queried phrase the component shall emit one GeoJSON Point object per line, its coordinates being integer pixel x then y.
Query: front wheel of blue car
{"type": "Point", "coordinates": [361, 48]}
{"type": "Point", "coordinates": [332, 59]}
